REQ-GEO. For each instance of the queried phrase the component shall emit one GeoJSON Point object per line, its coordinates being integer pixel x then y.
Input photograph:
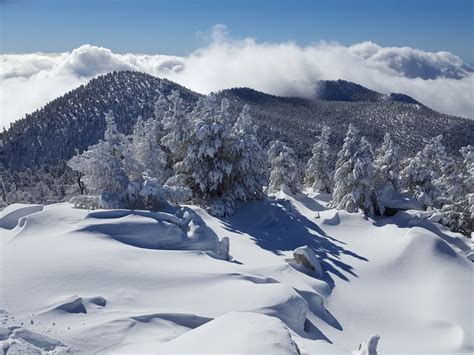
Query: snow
{"type": "Point", "coordinates": [400, 201]}
{"type": "Point", "coordinates": [236, 333]}
{"type": "Point", "coordinates": [131, 281]}
{"type": "Point", "coordinates": [304, 255]}
{"type": "Point", "coordinates": [368, 347]}
{"type": "Point", "coordinates": [11, 215]}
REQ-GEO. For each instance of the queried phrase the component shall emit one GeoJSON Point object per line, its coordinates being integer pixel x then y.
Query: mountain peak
{"type": "Point", "coordinates": [342, 90]}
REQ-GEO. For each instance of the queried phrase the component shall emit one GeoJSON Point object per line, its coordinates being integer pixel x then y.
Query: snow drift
{"type": "Point", "coordinates": [136, 281]}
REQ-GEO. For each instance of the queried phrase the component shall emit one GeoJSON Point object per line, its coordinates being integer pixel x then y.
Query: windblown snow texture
{"type": "Point", "coordinates": [135, 281]}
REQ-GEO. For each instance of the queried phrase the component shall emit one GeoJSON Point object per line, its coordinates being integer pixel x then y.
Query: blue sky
{"type": "Point", "coordinates": [172, 27]}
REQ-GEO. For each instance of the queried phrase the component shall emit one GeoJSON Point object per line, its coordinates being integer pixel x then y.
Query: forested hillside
{"type": "Point", "coordinates": [75, 120]}
{"type": "Point", "coordinates": [34, 149]}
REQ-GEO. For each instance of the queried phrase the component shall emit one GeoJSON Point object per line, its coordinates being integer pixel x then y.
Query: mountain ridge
{"type": "Point", "coordinates": [342, 90]}
{"type": "Point", "coordinates": [75, 120]}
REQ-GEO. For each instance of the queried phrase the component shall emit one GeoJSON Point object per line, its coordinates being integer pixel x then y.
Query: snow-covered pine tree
{"type": "Point", "coordinates": [343, 174]}
{"type": "Point", "coordinates": [161, 107]}
{"type": "Point", "coordinates": [178, 127]}
{"type": "Point", "coordinates": [386, 171]}
{"type": "Point", "coordinates": [354, 177]}
{"type": "Point", "coordinates": [387, 163]}
{"type": "Point", "coordinates": [284, 168]}
{"type": "Point", "coordinates": [146, 150]}
{"type": "Point", "coordinates": [209, 158]}
{"type": "Point", "coordinates": [363, 192]}
{"type": "Point", "coordinates": [468, 176]}
{"type": "Point", "coordinates": [457, 212]}
{"type": "Point", "coordinates": [319, 173]}
{"type": "Point", "coordinates": [249, 174]}
{"type": "Point", "coordinates": [420, 173]}
{"type": "Point", "coordinates": [102, 164]}
{"type": "Point", "coordinates": [112, 173]}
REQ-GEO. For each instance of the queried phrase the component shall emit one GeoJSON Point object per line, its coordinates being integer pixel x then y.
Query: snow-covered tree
{"type": "Point", "coordinates": [208, 161]}
{"type": "Point", "coordinates": [386, 171]}
{"type": "Point", "coordinates": [112, 172]}
{"type": "Point", "coordinates": [343, 175]}
{"type": "Point", "coordinates": [387, 163]}
{"type": "Point", "coordinates": [420, 174]}
{"type": "Point", "coordinates": [223, 163]}
{"type": "Point", "coordinates": [468, 176]}
{"type": "Point", "coordinates": [363, 192]}
{"type": "Point", "coordinates": [102, 164]}
{"type": "Point", "coordinates": [249, 174]}
{"type": "Point", "coordinates": [162, 107]}
{"type": "Point", "coordinates": [318, 169]}
{"type": "Point", "coordinates": [354, 176]}
{"type": "Point", "coordinates": [178, 127]}
{"type": "Point", "coordinates": [284, 168]}
{"type": "Point", "coordinates": [146, 150]}
{"type": "Point", "coordinates": [457, 211]}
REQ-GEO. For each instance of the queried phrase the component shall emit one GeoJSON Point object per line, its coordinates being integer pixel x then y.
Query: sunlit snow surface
{"type": "Point", "coordinates": [144, 282]}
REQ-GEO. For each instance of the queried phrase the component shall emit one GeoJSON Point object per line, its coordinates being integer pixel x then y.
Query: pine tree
{"type": "Point", "coordinates": [354, 176]}
{"type": "Point", "coordinates": [318, 170]}
{"type": "Point", "coordinates": [208, 161]}
{"type": "Point", "coordinates": [178, 128]}
{"type": "Point", "coordinates": [420, 174]}
{"type": "Point", "coordinates": [214, 163]}
{"type": "Point", "coordinates": [249, 174]}
{"type": "Point", "coordinates": [284, 169]}
{"type": "Point", "coordinates": [363, 192]}
{"type": "Point", "coordinates": [457, 213]}
{"type": "Point", "coordinates": [102, 164]}
{"type": "Point", "coordinates": [386, 171]}
{"type": "Point", "coordinates": [387, 163]}
{"type": "Point", "coordinates": [343, 176]}
{"type": "Point", "coordinates": [146, 151]}
{"type": "Point", "coordinates": [162, 106]}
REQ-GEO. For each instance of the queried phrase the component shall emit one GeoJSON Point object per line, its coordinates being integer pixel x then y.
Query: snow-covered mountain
{"type": "Point", "coordinates": [75, 120]}
{"type": "Point", "coordinates": [341, 90]}
{"type": "Point", "coordinates": [128, 281]}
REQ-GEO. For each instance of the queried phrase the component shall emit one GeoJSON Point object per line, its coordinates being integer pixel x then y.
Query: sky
{"type": "Point", "coordinates": [174, 26]}
{"type": "Point", "coordinates": [422, 48]}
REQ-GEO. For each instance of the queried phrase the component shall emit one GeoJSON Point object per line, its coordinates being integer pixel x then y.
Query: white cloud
{"type": "Point", "coordinates": [414, 63]}
{"type": "Point", "coordinates": [440, 80]}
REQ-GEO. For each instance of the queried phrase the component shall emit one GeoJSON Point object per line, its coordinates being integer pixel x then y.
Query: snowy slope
{"type": "Point", "coordinates": [138, 282]}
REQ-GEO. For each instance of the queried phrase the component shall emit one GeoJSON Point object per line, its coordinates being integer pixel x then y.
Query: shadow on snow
{"type": "Point", "coordinates": [277, 226]}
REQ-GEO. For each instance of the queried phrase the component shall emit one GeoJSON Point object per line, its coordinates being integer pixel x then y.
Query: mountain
{"type": "Point", "coordinates": [298, 120]}
{"type": "Point", "coordinates": [75, 120]}
{"type": "Point", "coordinates": [341, 90]}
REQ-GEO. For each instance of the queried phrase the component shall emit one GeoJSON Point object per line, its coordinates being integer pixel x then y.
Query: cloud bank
{"type": "Point", "coordinates": [440, 80]}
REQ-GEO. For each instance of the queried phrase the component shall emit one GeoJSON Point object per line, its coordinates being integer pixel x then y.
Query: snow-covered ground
{"type": "Point", "coordinates": [145, 282]}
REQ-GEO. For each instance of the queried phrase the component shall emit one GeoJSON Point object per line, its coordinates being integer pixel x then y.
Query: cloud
{"type": "Point", "coordinates": [414, 63]}
{"type": "Point", "coordinates": [440, 80]}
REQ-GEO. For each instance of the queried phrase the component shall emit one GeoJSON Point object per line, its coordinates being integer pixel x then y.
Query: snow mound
{"type": "Point", "coordinates": [236, 333]}
{"type": "Point", "coordinates": [398, 201]}
{"type": "Point", "coordinates": [80, 304]}
{"type": "Point", "coordinates": [17, 340]}
{"type": "Point", "coordinates": [11, 215]}
{"type": "Point", "coordinates": [368, 347]}
{"type": "Point", "coordinates": [184, 230]}
{"type": "Point", "coordinates": [305, 256]}
{"type": "Point", "coordinates": [138, 231]}
{"type": "Point", "coordinates": [284, 303]}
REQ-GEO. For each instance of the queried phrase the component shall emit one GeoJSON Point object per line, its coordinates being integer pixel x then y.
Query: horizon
{"type": "Point", "coordinates": [419, 48]}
